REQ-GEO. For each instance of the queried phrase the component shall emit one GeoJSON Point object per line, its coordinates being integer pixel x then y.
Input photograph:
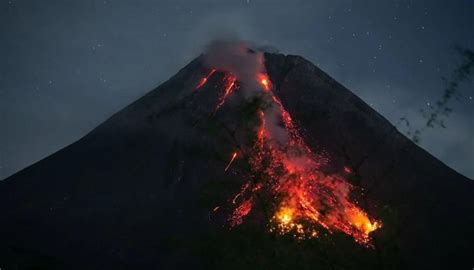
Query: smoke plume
{"type": "Point", "coordinates": [246, 62]}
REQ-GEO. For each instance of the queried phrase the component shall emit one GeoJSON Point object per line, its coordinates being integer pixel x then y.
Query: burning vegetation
{"type": "Point", "coordinates": [305, 200]}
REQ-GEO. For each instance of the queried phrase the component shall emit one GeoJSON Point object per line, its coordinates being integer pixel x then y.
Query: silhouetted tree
{"type": "Point", "coordinates": [435, 115]}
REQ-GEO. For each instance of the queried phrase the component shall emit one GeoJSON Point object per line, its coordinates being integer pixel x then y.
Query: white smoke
{"type": "Point", "coordinates": [238, 58]}
{"type": "Point", "coordinates": [245, 62]}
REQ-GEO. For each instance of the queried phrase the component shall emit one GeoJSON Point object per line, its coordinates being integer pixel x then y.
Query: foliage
{"type": "Point", "coordinates": [435, 115]}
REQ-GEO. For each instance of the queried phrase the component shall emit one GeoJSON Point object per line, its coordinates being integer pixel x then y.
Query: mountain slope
{"type": "Point", "coordinates": [139, 190]}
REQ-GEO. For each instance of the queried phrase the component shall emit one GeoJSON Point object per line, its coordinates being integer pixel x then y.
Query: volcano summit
{"type": "Point", "coordinates": [242, 160]}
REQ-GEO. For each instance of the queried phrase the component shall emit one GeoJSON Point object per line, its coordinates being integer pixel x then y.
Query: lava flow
{"type": "Point", "coordinates": [229, 81]}
{"type": "Point", "coordinates": [203, 81]}
{"type": "Point", "coordinates": [306, 199]}
{"type": "Point", "coordinates": [230, 162]}
{"type": "Point", "coordinates": [264, 81]}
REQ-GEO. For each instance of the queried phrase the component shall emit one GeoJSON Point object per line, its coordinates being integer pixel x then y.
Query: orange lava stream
{"type": "Point", "coordinates": [229, 81]}
{"type": "Point", "coordinates": [264, 81]}
{"type": "Point", "coordinates": [230, 162]}
{"type": "Point", "coordinates": [240, 212]}
{"type": "Point", "coordinates": [203, 81]}
{"type": "Point", "coordinates": [306, 199]}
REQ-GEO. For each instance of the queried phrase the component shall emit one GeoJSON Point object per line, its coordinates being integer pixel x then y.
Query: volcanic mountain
{"type": "Point", "coordinates": [242, 160]}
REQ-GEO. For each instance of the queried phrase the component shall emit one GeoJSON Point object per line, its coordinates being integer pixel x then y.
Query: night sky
{"type": "Point", "coordinates": [66, 66]}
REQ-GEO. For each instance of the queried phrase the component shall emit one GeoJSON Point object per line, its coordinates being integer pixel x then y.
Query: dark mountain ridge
{"type": "Point", "coordinates": [137, 192]}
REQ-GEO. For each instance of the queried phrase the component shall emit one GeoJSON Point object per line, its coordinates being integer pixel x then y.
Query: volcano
{"type": "Point", "coordinates": [242, 160]}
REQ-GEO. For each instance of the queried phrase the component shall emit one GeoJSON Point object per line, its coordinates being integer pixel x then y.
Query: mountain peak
{"type": "Point", "coordinates": [240, 156]}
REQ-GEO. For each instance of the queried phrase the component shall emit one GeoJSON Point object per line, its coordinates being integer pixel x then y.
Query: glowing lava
{"type": "Point", "coordinates": [229, 81]}
{"type": "Point", "coordinates": [230, 162]}
{"type": "Point", "coordinates": [203, 81]}
{"type": "Point", "coordinates": [284, 215]}
{"type": "Point", "coordinates": [240, 212]}
{"type": "Point", "coordinates": [306, 199]}
{"type": "Point", "coordinates": [264, 81]}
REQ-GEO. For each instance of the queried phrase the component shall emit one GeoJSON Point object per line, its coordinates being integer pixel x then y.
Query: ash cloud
{"type": "Point", "coordinates": [246, 61]}
{"type": "Point", "coordinates": [238, 58]}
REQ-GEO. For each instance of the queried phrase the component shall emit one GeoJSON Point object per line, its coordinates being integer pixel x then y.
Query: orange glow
{"type": "Point", "coordinates": [308, 199]}
{"type": "Point", "coordinates": [242, 190]}
{"type": "Point", "coordinates": [240, 212]}
{"type": "Point", "coordinates": [230, 162]}
{"type": "Point", "coordinates": [203, 81]}
{"type": "Point", "coordinates": [229, 81]}
{"type": "Point", "coordinates": [285, 215]}
{"type": "Point", "coordinates": [264, 81]}
{"type": "Point", "coordinates": [360, 220]}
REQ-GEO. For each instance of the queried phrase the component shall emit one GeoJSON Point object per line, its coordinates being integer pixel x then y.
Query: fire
{"type": "Point", "coordinates": [308, 199]}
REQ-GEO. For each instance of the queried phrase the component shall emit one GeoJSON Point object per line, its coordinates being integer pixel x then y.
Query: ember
{"type": "Point", "coordinates": [240, 212]}
{"type": "Point", "coordinates": [230, 162]}
{"type": "Point", "coordinates": [284, 215]}
{"type": "Point", "coordinates": [203, 81]}
{"type": "Point", "coordinates": [264, 81]}
{"type": "Point", "coordinates": [229, 81]}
